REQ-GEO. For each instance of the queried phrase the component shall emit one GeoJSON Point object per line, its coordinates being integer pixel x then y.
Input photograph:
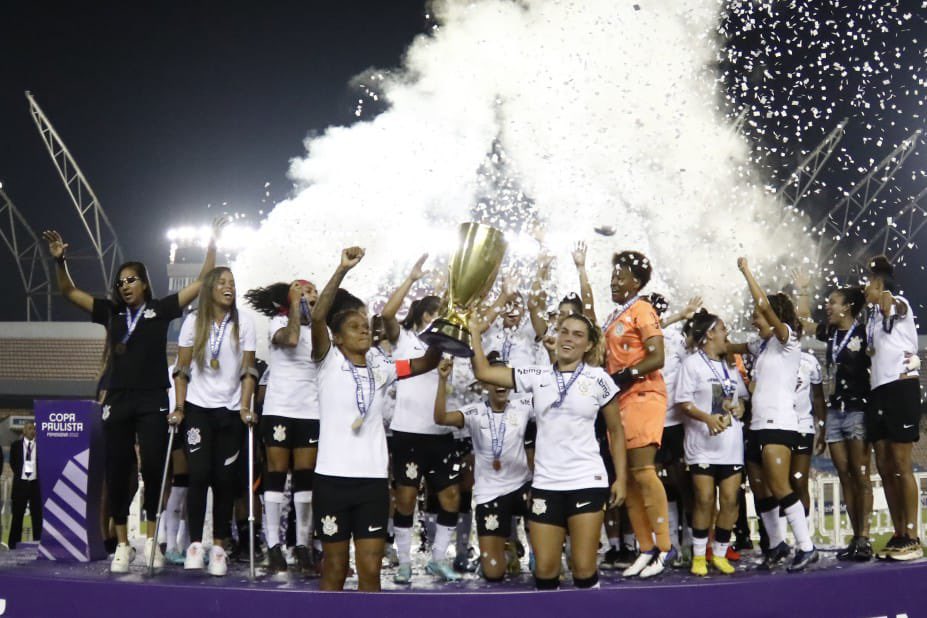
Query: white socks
{"type": "Point", "coordinates": [403, 544]}
{"type": "Point", "coordinates": [774, 528]}
{"type": "Point", "coordinates": [173, 515]}
{"type": "Point", "coordinates": [303, 502]}
{"type": "Point", "coordinates": [699, 546]}
{"type": "Point", "coordinates": [441, 542]}
{"type": "Point", "coordinates": [273, 505]}
{"type": "Point", "coordinates": [799, 524]}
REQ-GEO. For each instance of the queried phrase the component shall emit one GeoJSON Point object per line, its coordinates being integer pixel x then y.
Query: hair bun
{"type": "Point", "coordinates": [879, 265]}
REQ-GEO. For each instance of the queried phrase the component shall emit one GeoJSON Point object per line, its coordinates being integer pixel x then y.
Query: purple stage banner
{"type": "Point", "coordinates": [70, 460]}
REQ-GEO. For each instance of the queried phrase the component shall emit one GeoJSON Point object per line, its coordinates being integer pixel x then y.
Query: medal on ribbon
{"type": "Point", "coordinates": [363, 404]}
{"type": "Point", "coordinates": [497, 437]}
{"type": "Point", "coordinates": [132, 320]}
{"type": "Point", "coordinates": [617, 313]}
{"type": "Point", "coordinates": [562, 388]}
{"type": "Point", "coordinates": [216, 334]}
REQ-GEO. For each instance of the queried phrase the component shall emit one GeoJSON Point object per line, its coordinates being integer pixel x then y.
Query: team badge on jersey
{"type": "Point", "coordinates": [279, 433]}
{"type": "Point", "coordinates": [538, 506]}
{"type": "Point", "coordinates": [193, 436]}
{"type": "Point", "coordinates": [583, 386]}
{"type": "Point", "coordinates": [105, 413]}
{"type": "Point", "coordinates": [411, 470]}
{"type": "Point", "coordinates": [329, 525]}
{"type": "Point", "coordinates": [619, 328]}
{"type": "Point", "coordinates": [855, 344]}
{"type": "Point", "coordinates": [149, 313]}
{"type": "Point", "coordinates": [491, 522]}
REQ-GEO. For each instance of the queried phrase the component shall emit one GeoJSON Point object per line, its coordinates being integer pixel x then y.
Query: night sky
{"type": "Point", "coordinates": [169, 107]}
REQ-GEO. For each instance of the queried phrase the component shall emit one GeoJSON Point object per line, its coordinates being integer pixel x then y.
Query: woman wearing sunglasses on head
{"type": "Point", "coordinates": [136, 404]}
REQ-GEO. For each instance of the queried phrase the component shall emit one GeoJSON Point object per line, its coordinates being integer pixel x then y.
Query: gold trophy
{"type": "Point", "coordinates": [470, 276]}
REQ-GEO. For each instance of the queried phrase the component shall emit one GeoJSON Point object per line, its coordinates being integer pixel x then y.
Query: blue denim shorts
{"type": "Point", "coordinates": [845, 425]}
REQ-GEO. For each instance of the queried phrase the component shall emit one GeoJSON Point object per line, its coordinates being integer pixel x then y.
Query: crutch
{"type": "Point", "coordinates": [167, 464]}
{"type": "Point", "coordinates": [251, 499]}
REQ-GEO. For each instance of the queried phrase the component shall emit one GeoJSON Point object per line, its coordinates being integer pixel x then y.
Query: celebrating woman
{"type": "Point", "coordinates": [710, 393]}
{"type": "Point", "coordinates": [290, 419]}
{"type": "Point", "coordinates": [570, 490]}
{"type": "Point", "coordinates": [774, 423]}
{"type": "Point", "coordinates": [634, 357]}
{"type": "Point", "coordinates": [136, 404]}
{"type": "Point", "coordinates": [420, 449]}
{"type": "Point", "coordinates": [894, 411]}
{"type": "Point", "coordinates": [497, 428]}
{"type": "Point", "coordinates": [351, 490]}
{"type": "Point", "coordinates": [214, 380]}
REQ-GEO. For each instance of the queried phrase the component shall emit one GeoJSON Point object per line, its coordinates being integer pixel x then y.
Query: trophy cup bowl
{"type": "Point", "coordinates": [471, 274]}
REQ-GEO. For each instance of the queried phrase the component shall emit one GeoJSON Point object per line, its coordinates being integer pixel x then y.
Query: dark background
{"type": "Point", "coordinates": [174, 109]}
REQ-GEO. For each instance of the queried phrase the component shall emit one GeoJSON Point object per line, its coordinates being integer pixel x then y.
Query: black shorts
{"type": "Point", "coordinates": [494, 518]}
{"type": "Point", "coordinates": [463, 447]}
{"type": "Point", "coordinates": [756, 439]}
{"type": "Point", "coordinates": [894, 412]}
{"type": "Point", "coordinates": [719, 472]}
{"type": "Point", "coordinates": [672, 448]}
{"type": "Point", "coordinates": [124, 405]}
{"type": "Point", "coordinates": [531, 434]}
{"type": "Point", "coordinates": [804, 444]}
{"type": "Point", "coordinates": [433, 457]}
{"type": "Point", "coordinates": [344, 507]}
{"type": "Point", "coordinates": [289, 433]}
{"type": "Point", "coordinates": [556, 507]}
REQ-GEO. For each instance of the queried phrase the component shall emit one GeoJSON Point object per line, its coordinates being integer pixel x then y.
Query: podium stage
{"type": "Point", "coordinates": [40, 588]}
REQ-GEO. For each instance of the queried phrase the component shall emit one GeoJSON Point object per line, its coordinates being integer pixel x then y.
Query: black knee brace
{"type": "Point", "coordinates": [302, 480]}
{"type": "Point", "coordinates": [766, 504]}
{"type": "Point", "coordinates": [722, 535]}
{"type": "Point", "coordinates": [445, 518]}
{"type": "Point", "coordinates": [586, 582]}
{"type": "Point", "coordinates": [181, 480]}
{"type": "Point", "coordinates": [275, 481]}
{"type": "Point", "coordinates": [543, 583]}
{"type": "Point", "coordinates": [402, 521]}
{"type": "Point", "coordinates": [466, 501]}
{"type": "Point", "coordinates": [786, 502]}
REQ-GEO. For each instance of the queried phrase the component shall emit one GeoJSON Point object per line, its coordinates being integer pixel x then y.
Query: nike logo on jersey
{"type": "Point", "coordinates": [543, 385]}
{"type": "Point", "coordinates": [162, 409]}
{"type": "Point", "coordinates": [311, 441]}
{"type": "Point", "coordinates": [803, 448]}
{"type": "Point", "coordinates": [193, 450]}
{"type": "Point", "coordinates": [453, 476]}
{"type": "Point", "coordinates": [907, 426]}
{"type": "Point", "coordinates": [580, 505]}
{"type": "Point", "coordinates": [374, 528]}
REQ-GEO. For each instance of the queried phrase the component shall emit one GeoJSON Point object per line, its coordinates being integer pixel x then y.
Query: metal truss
{"type": "Point", "coordinates": [899, 232]}
{"type": "Point", "coordinates": [96, 223]}
{"type": "Point", "coordinates": [794, 189]}
{"type": "Point", "coordinates": [28, 254]}
{"type": "Point", "coordinates": [842, 221]}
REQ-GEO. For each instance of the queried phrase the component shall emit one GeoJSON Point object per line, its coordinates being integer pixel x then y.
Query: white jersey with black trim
{"type": "Point", "coordinates": [292, 390]}
{"type": "Point", "coordinates": [513, 471]}
{"type": "Point", "coordinates": [567, 452]}
{"type": "Point", "coordinates": [517, 346]}
{"type": "Point", "coordinates": [415, 397]}
{"type": "Point", "coordinates": [674, 353]}
{"type": "Point", "coordinates": [218, 388]}
{"type": "Point", "coordinates": [893, 345]}
{"type": "Point", "coordinates": [775, 372]}
{"type": "Point", "coordinates": [809, 373]}
{"type": "Point", "coordinates": [698, 385]}
{"type": "Point", "coordinates": [344, 451]}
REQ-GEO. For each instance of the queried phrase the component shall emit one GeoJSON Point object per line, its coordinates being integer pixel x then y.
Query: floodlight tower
{"type": "Point", "coordinates": [28, 254]}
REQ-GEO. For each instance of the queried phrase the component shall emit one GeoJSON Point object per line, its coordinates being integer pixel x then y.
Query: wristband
{"type": "Point", "coordinates": [60, 260]}
{"type": "Point", "coordinates": [403, 369]}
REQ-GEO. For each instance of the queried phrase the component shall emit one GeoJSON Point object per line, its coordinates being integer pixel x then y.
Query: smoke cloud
{"type": "Point", "coordinates": [580, 115]}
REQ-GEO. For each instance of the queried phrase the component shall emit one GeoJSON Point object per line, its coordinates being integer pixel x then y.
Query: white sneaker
{"type": "Point", "coordinates": [123, 557]}
{"type": "Point", "coordinates": [643, 559]}
{"type": "Point", "coordinates": [150, 546]}
{"type": "Point", "coordinates": [195, 557]}
{"type": "Point", "coordinates": [658, 564]}
{"type": "Point", "coordinates": [218, 561]}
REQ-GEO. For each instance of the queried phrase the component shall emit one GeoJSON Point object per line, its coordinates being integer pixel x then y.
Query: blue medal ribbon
{"type": "Point", "coordinates": [835, 348]}
{"type": "Point", "coordinates": [216, 334]}
{"type": "Point", "coordinates": [363, 405]}
{"type": "Point", "coordinates": [564, 389]}
{"type": "Point", "coordinates": [131, 322]}
{"type": "Point", "coordinates": [496, 435]}
{"type": "Point", "coordinates": [506, 347]}
{"type": "Point", "coordinates": [727, 384]}
{"type": "Point", "coordinates": [618, 312]}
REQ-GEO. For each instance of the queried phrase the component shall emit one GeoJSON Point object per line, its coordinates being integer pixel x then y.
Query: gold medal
{"type": "Point", "coordinates": [496, 465]}
{"type": "Point", "coordinates": [214, 363]}
{"type": "Point", "coordinates": [358, 422]}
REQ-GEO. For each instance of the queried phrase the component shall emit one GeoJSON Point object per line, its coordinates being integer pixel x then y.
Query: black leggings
{"type": "Point", "coordinates": [212, 439]}
{"type": "Point", "coordinates": [130, 415]}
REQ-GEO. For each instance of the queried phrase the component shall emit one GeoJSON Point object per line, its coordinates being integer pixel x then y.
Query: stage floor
{"type": "Point", "coordinates": [38, 588]}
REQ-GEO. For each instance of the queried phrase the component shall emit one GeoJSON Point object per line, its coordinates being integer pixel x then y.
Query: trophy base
{"type": "Point", "coordinates": [449, 337]}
